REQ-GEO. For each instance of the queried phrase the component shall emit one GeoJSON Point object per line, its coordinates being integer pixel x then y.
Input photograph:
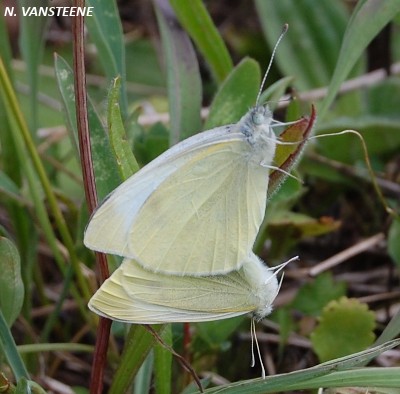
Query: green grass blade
{"type": "Point", "coordinates": [197, 22]}
{"type": "Point", "coordinates": [361, 377]}
{"type": "Point", "coordinates": [142, 382]}
{"type": "Point", "coordinates": [163, 364]}
{"type": "Point", "coordinates": [305, 378]}
{"type": "Point", "coordinates": [9, 348]}
{"type": "Point", "coordinates": [106, 31]}
{"type": "Point", "coordinates": [183, 76]}
{"type": "Point", "coordinates": [368, 19]}
{"type": "Point", "coordinates": [138, 344]}
{"type": "Point", "coordinates": [310, 48]}
{"type": "Point", "coordinates": [31, 43]}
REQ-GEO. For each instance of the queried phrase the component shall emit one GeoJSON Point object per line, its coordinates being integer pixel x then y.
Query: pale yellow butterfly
{"type": "Point", "coordinates": [197, 208]}
{"type": "Point", "coordinates": [134, 294]}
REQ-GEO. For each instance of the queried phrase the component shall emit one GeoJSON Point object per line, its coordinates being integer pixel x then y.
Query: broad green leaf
{"type": "Point", "coordinates": [183, 76]}
{"type": "Point", "coordinates": [126, 161]}
{"type": "Point", "coordinates": [368, 19]}
{"type": "Point", "coordinates": [105, 168]}
{"type": "Point", "coordinates": [11, 285]}
{"type": "Point", "coordinates": [314, 296]}
{"type": "Point", "coordinates": [310, 47]}
{"type": "Point", "coordinates": [346, 326]}
{"type": "Point", "coordinates": [149, 144]}
{"type": "Point", "coordinates": [236, 95]}
{"type": "Point", "coordinates": [197, 22]}
{"type": "Point", "coordinates": [106, 31]}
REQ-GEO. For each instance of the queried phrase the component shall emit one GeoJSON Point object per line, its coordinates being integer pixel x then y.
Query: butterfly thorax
{"type": "Point", "coordinates": [255, 125]}
{"type": "Point", "coordinates": [264, 286]}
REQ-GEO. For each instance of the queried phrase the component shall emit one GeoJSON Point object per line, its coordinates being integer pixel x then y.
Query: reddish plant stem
{"type": "Point", "coordinates": [103, 330]}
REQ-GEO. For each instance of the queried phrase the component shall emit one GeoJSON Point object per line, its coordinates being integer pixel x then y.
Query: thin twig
{"type": "Point", "coordinates": [181, 360]}
{"type": "Point", "coordinates": [390, 188]}
{"type": "Point", "coordinates": [346, 254]}
{"type": "Point", "coordinates": [365, 80]}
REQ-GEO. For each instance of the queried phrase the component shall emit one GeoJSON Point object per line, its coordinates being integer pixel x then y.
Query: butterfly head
{"type": "Point", "coordinates": [260, 115]}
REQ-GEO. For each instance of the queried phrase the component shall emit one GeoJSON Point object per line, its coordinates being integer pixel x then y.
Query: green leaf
{"type": "Point", "coordinates": [197, 22]}
{"type": "Point", "coordinates": [163, 364]}
{"type": "Point", "coordinates": [310, 47]}
{"type": "Point", "coordinates": [368, 19]}
{"type": "Point", "coordinates": [236, 95]}
{"type": "Point", "coordinates": [335, 373]}
{"type": "Point", "coordinates": [214, 333]}
{"type": "Point", "coordinates": [5, 49]}
{"type": "Point", "coordinates": [31, 42]}
{"type": "Point", "coordinates": [11, 286]}
{"type": "Point", "coordinates": [393, 241]}
{"type": "Point", "coordinates": [346, 326]}
{"type": "Point", "coordinates": [151, 143]}
{"type": "Point", "coordinates": [9, 349]}
{"type": "Point", "coordinates": [274, 93]}
{"type": "Point", "coordinates": [142, 382]}
{"type": "Point", "coordinates": [183, 75]}
{"type": "Point", "coordinates": [286, 228]}
{"type": "Point", "coordinates": [126, 161]}
{"type": "Point", "coordinates": [314, 296]}
{"type": "Point", "coordinates": [106, 31]}
{"type": "Point", "coordinates": [391, 331]}
{"type": "Point", "coordinates": [8, 187]}
{"type": "Point", "coordinates": [105, 168]}
{"type": "Point", "coordinates": [25, 386]}
{"type": "Point", "coordinates": [138, 344]}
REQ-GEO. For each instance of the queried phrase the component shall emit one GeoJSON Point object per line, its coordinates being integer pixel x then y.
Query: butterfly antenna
{"type": "Point", "coordinates": [254, 335]}
{"type": "Point", "coordinates": [253, 360]}
{"type": "Point", "coordinates": [284, 30]}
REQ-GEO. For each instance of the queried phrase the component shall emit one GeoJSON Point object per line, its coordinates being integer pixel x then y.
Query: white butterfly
{"type": "Point", "coordinates": [186, 224]}
{"type": "Point", "coordinates": [197, 208]}
{"type": "Point", "coordinates": [134, 294]}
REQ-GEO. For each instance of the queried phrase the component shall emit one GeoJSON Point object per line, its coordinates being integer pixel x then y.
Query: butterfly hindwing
{"type": "Point", "coordinates": [136, 295]}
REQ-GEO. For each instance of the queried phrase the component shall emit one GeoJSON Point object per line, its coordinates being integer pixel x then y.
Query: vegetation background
{"type": "Point", "coordinates": [178, 78]}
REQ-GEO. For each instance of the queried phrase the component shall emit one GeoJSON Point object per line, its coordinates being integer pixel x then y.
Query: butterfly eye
{"type": "Point", "coordinates": [258, 116]}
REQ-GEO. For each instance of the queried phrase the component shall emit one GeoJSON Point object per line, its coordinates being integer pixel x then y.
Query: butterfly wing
{"type": "Point", "coordinates": [195, 210]}
{"type": "Point", "coordinates": [136, 295]}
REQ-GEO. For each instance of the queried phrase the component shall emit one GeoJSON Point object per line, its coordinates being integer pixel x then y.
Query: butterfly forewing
{"type": "Point", "coordinates": [198, 213]}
